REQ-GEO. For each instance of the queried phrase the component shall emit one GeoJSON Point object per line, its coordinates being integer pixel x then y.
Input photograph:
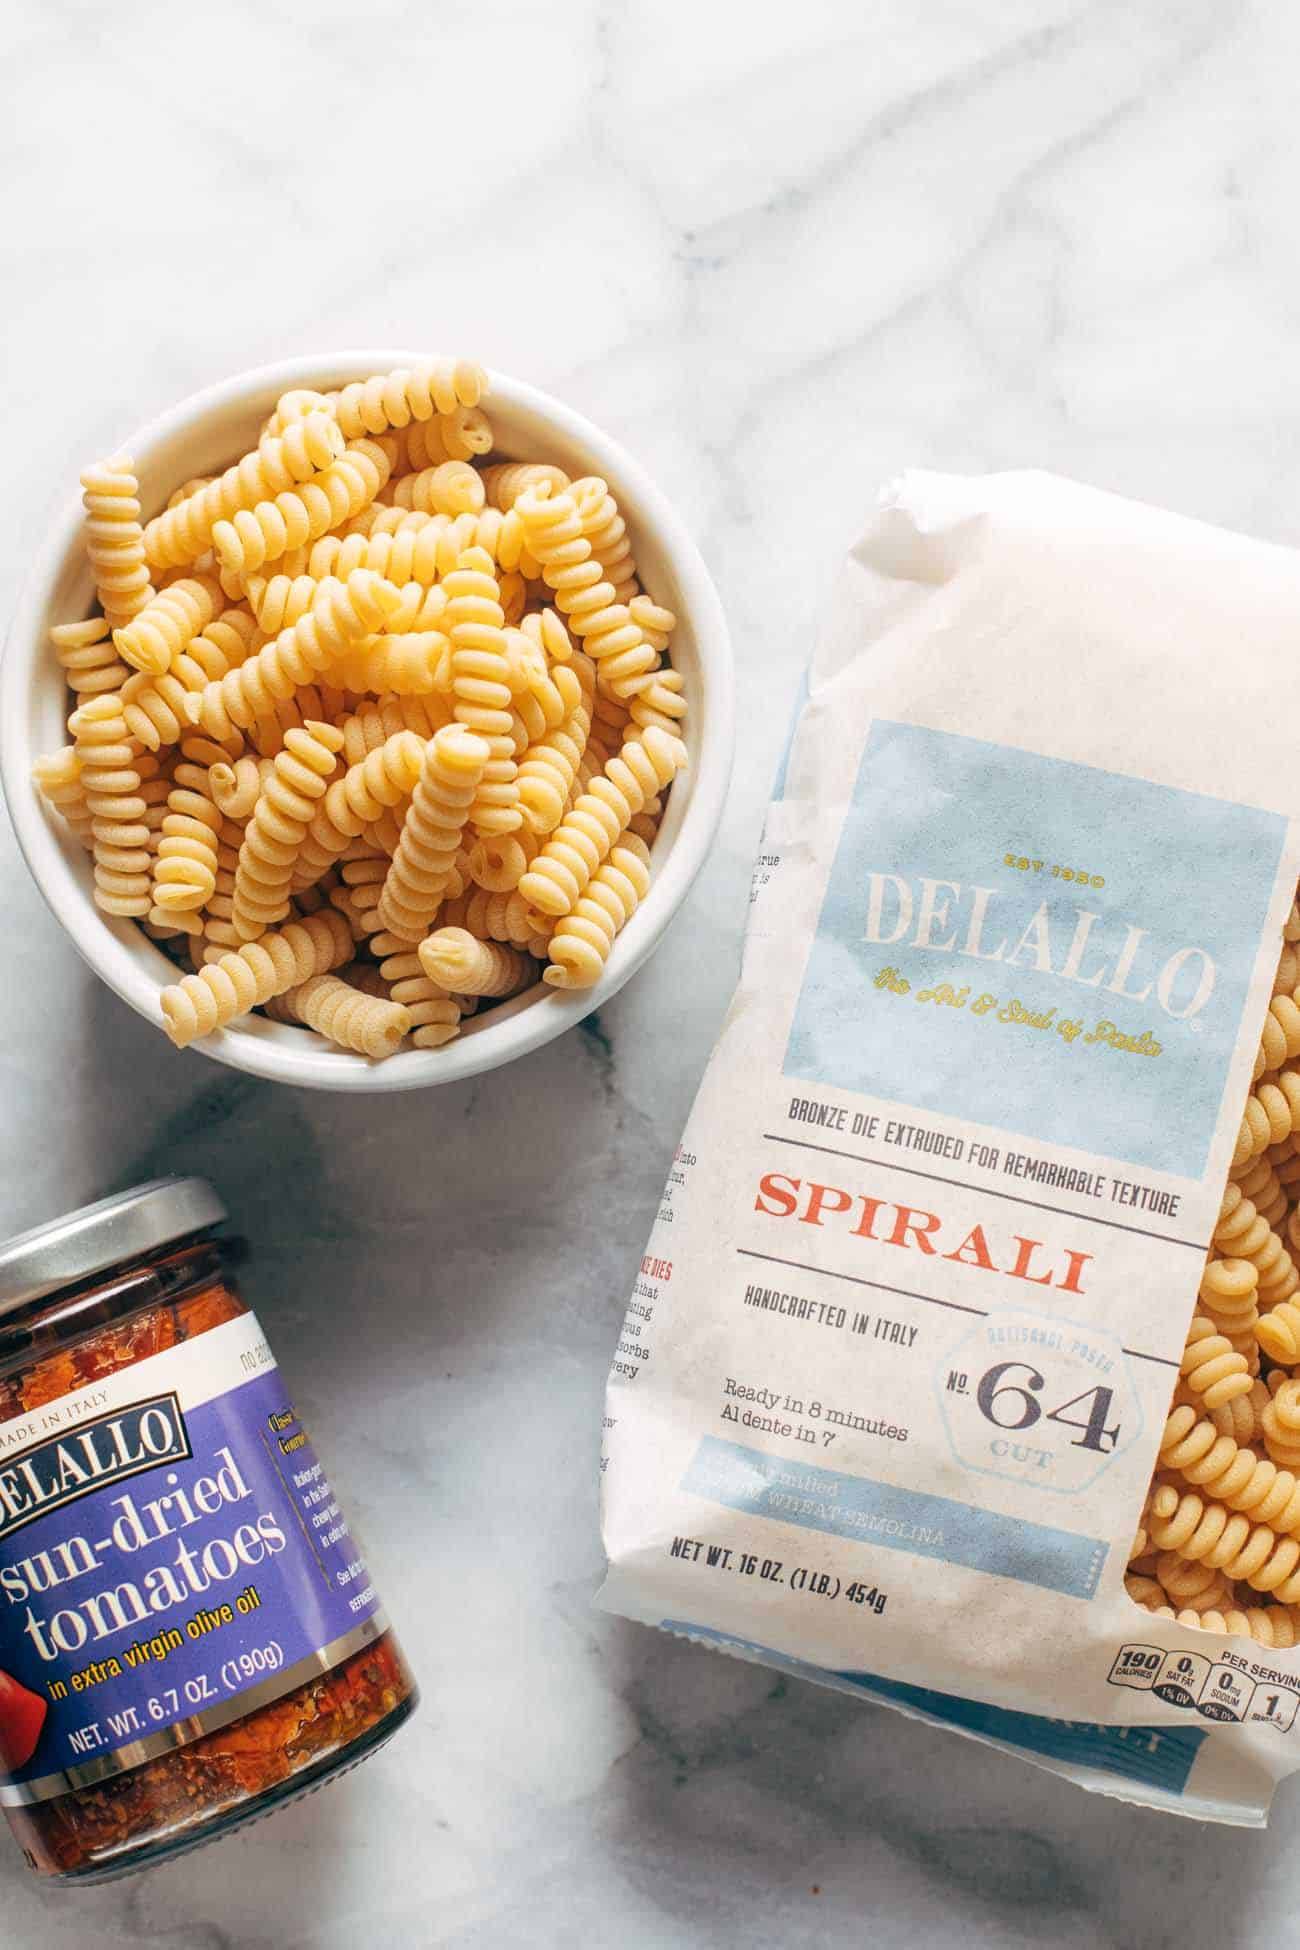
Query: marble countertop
{"type": "Point", "coordinates": [779, 251]}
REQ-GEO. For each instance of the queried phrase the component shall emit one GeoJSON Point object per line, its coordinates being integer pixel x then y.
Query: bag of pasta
{"type": "Point", "coordinates": [963, 1367]}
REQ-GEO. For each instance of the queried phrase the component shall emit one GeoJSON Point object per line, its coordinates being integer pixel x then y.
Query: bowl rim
{"type": "Point", "coordinates": [528, 1020]}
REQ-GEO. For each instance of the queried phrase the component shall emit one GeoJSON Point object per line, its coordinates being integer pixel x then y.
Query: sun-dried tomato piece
{"type": "Point", "coordinates": [223, 1770]}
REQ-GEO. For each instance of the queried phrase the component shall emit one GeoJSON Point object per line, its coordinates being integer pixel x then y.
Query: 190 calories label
{"type": "Point", "coordinates": [172, 1557]}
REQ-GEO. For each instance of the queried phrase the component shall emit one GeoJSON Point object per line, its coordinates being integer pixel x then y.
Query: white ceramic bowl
{"type": "Point", "coordinates": [207, 432]}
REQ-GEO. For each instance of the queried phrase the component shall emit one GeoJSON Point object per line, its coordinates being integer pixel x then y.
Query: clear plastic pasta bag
{"type": "Point", "coordinates": [897, 1373]}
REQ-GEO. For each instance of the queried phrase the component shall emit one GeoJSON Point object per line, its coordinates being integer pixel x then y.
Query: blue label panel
{"type": "Point", "coordinates": [158, 1562]}
{"type": "Point", "coordinates": [1042, 947]}
{"type": "Point", "coordinates": [1162, 1757]}
{"type": "Point", "coordinates": [895, 1519]}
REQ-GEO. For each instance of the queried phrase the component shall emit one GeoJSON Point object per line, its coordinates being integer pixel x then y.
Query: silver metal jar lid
{"type": "Point", "coordinates": [68, 1250]}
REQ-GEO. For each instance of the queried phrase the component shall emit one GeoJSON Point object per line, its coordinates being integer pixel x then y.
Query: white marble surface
{"type": "Point", "coordinates": [779, 250]}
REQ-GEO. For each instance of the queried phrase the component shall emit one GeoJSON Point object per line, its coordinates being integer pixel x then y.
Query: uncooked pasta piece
{"type": "Point", "coordinates": [279, 461]}
{"type": "Point", "coordinates": [480, 686]}
{"type": "Point", "coordinates": [581, 943]}
{"type": "Point", "coordinates": [435, 1014]}
{"type": "Point", "coordinates": [555, 882]}
{"type": "Point", "coordinates": [241, 981]}
{"type": "Point", "coordinates": [58, 779]}
{"type": "Point", "coordinates": [345, 1015]}
{"type": "Point", "coordinates": [384, 778]}
{"type": "Point", "coordinates": [459, 435]}
{"type": "Point", "coordinates": [507, 481]}
{"type": "Point", "coordinates": [158, 633]}
{"type": "Point", "coordinates": [115, 539]}
{"type": "Point", "coordinates": [340, 615]}
{"type": "Point", "coordinates": [252, 536]}
{"type": "Point", "coordinates": [1281, 1425]}
{"type": "Point", "coordinates": [185, 862]}
{"type": "Point", "coordinates": [275, 833]}
{"type": "Point", "coordinates": [451, 488]}
{"type": "Point", "coordinates": [457, 962]}
{"type": "Point", "coordinates": [110, 779]}
{"type": "Point", "coordinates": [615, 642]}
{"type": "Point", "coordinates": [394, 399]}
{"type": "Point", "coordinates": [411, 663]}
{"type": "Point", "coordinates": [89, 656]}
{"type": "Point", "coordinates": [442, 801]}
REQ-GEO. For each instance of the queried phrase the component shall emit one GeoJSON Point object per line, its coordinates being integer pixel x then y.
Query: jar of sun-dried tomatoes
{"type": "Point", "coordinates": [188, 1636]}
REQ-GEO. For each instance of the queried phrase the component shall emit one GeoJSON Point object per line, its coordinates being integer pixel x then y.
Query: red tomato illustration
{"type": "Point", "coordinates": [22, 1715]}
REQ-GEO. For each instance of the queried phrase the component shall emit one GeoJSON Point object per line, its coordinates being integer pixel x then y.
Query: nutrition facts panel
{"type": "Point", "coordinates": [1211, 1688]}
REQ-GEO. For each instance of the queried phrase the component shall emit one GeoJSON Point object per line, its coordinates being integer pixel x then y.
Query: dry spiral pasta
{"type": "Point", "coordinates": [408, 663]}
{"type": "Point", "coordinates": [377, 718]}
{"type": "Point", "coordinates": [606, 533]}
{"type": "Point", "coordinates": [1231, 1474]}
{"type": "Point", "coordinates": [394, 399]}
{"type": "Point", "coordinates": [550, 766]}
{"type": "Point", "coordinates": [1225, 1504]}
{"type": "Point", "coordinates": [340, 615]}
{"type": "Point", "coordinates": [279, 461]}
{"type": "Point", "coordinates": [282, 715]}
{"type": "Point", "coordinates": [1259, 1182]}
{"type": "Point", "coordinates": [1281, 1426]}
{"type": "Point", "coordinates": [580, 945]}
{"type": "Point", "coordinates": [159, 632]}
{"type": "Point", "coordinates": [435, 1015]}
{"type": "Point", "coordinates": [1278, 1332]}
{"type": "Point", "coordinates": [1208, 1532]}
{"type": "Point", "coordinates": [498, 862]}
{"type": "Point", "coordinates": [243, 980]}
{"type": "Point", "coordinates": [185, 864]}
{"type": "Point", "coordinates": [1280, 1038]}
{"type": "Point", "coordinates": [555, 882]}
{"type": "Point", "coordinates": [458, 962]}
{"type": "Point", "coordinates": [111, 784]}
{"type": "Point", "coordinates": [235, 785]}
{"type": "Point", "coordinates": [459, 435]}
{"type": "Point", "coordinates": [1241, 1417]}
{"type": "Point", "coordinates": [1228, 1293]}
{"type": "Point", "coordinates": [452, 488]}
{"type": "Point", "coordinates": [498, 917]}
{"type": "Point", "coordinates": [252, 536]}
{"type": "Point", "coordinates": [612, 638]}
{"type": "Point", "coordinates": [661, 703]}
{"type": "Point", "coordinates": [442, 799]}
{"type": "Point", "coordinates": [436, 541]}
{"type": "Point", "coordinates": [57, 777]}
{"type": "Point", "coordinates": [89, 656]}
{"type": "Point", "coordinates": [1191, 1586]}
{"type": "Point", "coordinates": [278, 826]}
{"type": "Point", "coordinates": [1242, 1234]}
{"type": "Point", "coordinates": [506, 482]}
{"type": "Point", "coordinates": [156, 707]}
{"type": "Point", "coordinates": [345, 1015]}
{"type": "Point", "coordinates": [480, 686]}
{"type": "Point", "coordinates": [371, 786]}
{"type": "Point", "coordinates": [347, 702]}
{"type": "Point", "coordinates": [1272, 1113]}
{"type": "Point", "coordinates": [1211, 1366]}
{"type": "Point", "coordinates": [115, 539]}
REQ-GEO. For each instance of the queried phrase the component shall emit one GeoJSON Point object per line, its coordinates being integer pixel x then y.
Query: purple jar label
{"type": "Point", "coordinates": [172, 1557]}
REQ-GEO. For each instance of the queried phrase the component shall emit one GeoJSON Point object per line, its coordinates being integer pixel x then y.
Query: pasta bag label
{"type": "Point", "coordinates": [171, 1558]}
{"type": "Point", "coordinates": [893, 1379]}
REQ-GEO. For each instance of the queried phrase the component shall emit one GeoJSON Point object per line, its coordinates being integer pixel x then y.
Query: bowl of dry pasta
{"type": "Point", "coordinates": [366, 720]}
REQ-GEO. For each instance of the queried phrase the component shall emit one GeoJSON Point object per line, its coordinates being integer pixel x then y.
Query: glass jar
{"type": "Point", "coordinates": [188, 1637]}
